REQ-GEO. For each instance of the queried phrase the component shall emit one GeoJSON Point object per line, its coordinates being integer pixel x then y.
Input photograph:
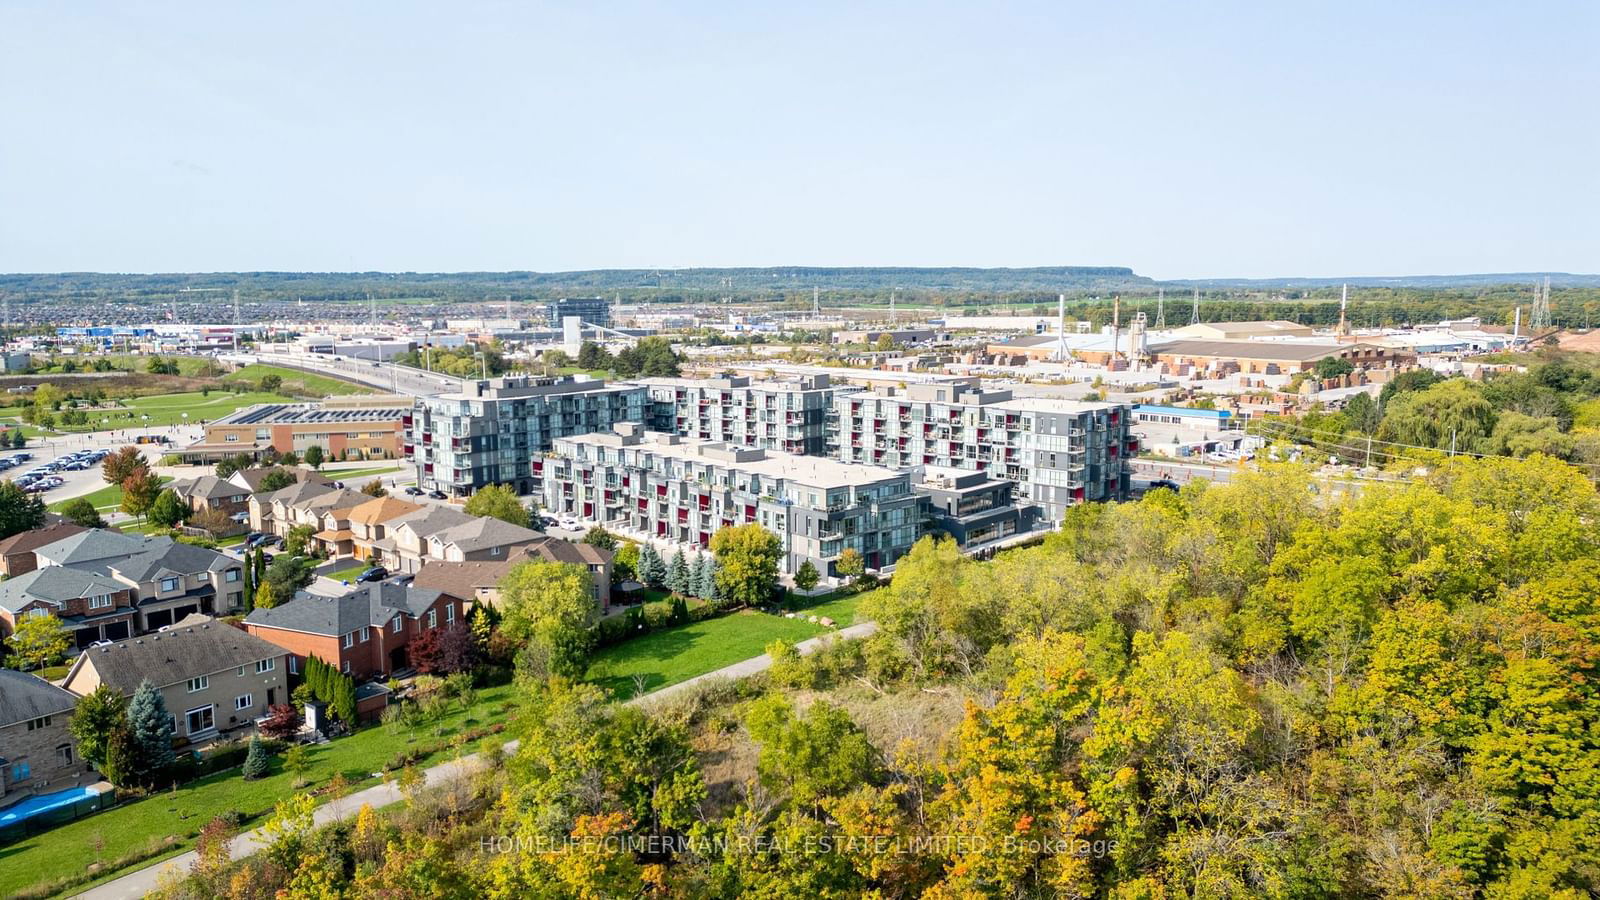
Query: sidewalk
{"type": "Point", "coordinates": [137, 884]}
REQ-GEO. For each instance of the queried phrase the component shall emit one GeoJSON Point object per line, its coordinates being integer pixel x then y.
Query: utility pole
{"type": "Point", "coordinates": [1452, 442]}
{"type": "Point", "coordinates": [372, 312]}
{"type": "Point", "coordinates": [1161, 311]}
{"type": "Point", "coordinates": [816, 303]}
{"type": "Point", "coordinates": [236, 320]}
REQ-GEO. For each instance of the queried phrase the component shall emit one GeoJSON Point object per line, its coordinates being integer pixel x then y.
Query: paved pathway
{"type": "Point", "coordinates": [137, 884]}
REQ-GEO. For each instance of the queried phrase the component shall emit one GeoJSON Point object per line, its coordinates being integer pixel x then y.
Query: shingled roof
{"type": "Point", "coordinates": [24, 697]}
{"type": "Point", "coordinates": [367, 606]}
{"type": "Point", "coordinates": [56, 585]}
{"type": "Point", "coordinates": [174, 656]}
{"type": "Point", "coordinates": [28, 541]}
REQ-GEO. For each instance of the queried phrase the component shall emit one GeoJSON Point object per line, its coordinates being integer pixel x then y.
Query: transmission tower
{"type": "Point", "coordinates": [1161, 310]}
{"type": "Point", "coordinates": [1541, 307]}
{"type": "Point", "coordinates": [1194, 316]}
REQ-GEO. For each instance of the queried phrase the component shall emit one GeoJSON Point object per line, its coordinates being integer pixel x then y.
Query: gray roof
{"type": "Point", "coordinates": [24, 697]}
{"type": "Point", "coordinates": [55, 584]}
{"type": "Point", "coordinates": [184, 559]}
{"type": "Point", "coordinates": [297, 492]}
{"type": "Point", "coordinates": [174, 656]}
{"type": "Point", "coordinates": [370, 605]}
{"type": "Point", "coordinates": [93, 545]}
{"type": "Point", "coordinates": [1256, 350]}
{"type": "Point", "coordinates": [484, 532]}
{"type": "Point", "coordinates": [430, 520]}
{"type": "Point", "coordinates": [28, 541]}
{"type": "Point", "coordinates": [208, 487]}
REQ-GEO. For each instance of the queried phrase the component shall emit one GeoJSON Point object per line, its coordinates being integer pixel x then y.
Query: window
{"type": "Point", "coordinates": [345, 668]}
{"type": "Point", "coordinates": [294, 665]}
{"type": "Point", "coordinates": [433, 618]}
{"type": "Point", "coordinates": [20, 771]}
{"type": "Point", "coordinates": [41, 722]}
{"type": "Point", "coordinates": [449, 613]}
{"type": "Point", "coordinates": [243, 701]}
{"type": "Point", "coordinates": [365, 634]}
{"type": "Point", "coordinates": [349, 640]}
{"type": "Point", "coordinates": [169, 584]}
{"type": "Point", "coordinates": [240, 672]}
{"type": "Point", "coordinates": [266, 665]}
{"type": "Point", "coordinates": [201, 719]}
{"type": "Point", "coordinates": [199, 684]}
{"type": "Point", "coordinates": [231, 576]}
{"type": "Point", "coordinates": [396, 625]}
{"type": "Point", "coordinates": [230, 437]}
{"type": "Point", "coordinates": [64, 753]}
{"type": "Point", "coordinates": [100, 601]}
{"type": "Point", "coordinates": [203, 577]}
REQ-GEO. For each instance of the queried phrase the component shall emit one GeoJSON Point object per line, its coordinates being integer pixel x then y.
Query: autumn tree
{"type": "Point", "coordinates": [747, 563]}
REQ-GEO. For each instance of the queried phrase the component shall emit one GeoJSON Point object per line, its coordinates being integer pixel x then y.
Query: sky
{"type": "Point", "coordinates": [1181, 139]}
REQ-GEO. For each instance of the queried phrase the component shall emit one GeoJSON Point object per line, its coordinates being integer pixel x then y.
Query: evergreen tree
{"type": "Point", "coordinates": [651, 570]}
{"type": "Point", "coordinates": [344, 700]}
{"type": "Point", "coordinates": [678, 574]}
{"type": "Point", "coordinates": [256, 761]}
{"type": "Point", "coordinates": [150, 726]}
{"type": "Point", "coordinates": [705, 586]}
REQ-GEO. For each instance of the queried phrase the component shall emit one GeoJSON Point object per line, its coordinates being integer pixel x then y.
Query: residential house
{"type": "Point", "coordinates": [333, 534]}
{"type": "Point", "coordinates": [308, 512]}
{"type": "Point", "coordinates": [364, 633]}
{"type": "Point", "coordinates": [404, 547]}
{"type": "Point", "coordinates": [269, 509]}
{"type": "Point", "coordinates": [16, 552]}
{"type": "Point", "coordinates": [370, 523]}
{"type": "Point", "coordinates": [36, 751]}
{"type": "Point", "coordinates": [482, 538]}
{"type": "Point", "coordinates": [169, 579]}
{"type": "Point", "coordinates": [173, 580]}
{"type": "Point", "coordinates": [211, 492]}
{"type": "Point", "coordinates": [480, 580]}
{"type": "Point", "coordinates": [251, 479]}
{"type": "Point", "coordinates": [213, 677]}
{"type": "Point", "coordinates": [92, 607]}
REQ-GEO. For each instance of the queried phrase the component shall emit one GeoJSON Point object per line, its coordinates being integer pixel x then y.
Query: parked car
{"type": "Point", "coordinates": [376, 573]}
{"type": "Point", "coordinates": [569, 523]}
{"type": "Point", "coordinates": [413, 491]}
{"type": "Point", "coordinates": [436, 494]}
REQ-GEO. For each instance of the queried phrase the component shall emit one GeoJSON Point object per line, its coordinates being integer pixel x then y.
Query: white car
{"type": "Point", "coordinates": [568, 523]}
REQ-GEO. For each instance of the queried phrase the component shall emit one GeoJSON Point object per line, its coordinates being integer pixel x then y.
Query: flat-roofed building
{"type": "Point", "coordinates": [1243, 331]}
{"type": "Point", "coordinates": [974, 508]}
{"type": "Point", "coordinates": [486, 433]}
{"type": "Point", "coordinates": [350, 428]}
{"type": "Point", "coordinates": [1272, 357]}
{"type": "Point", "coordinates": [1061, 452]}
{"type": "Point", "coordinates": [684, 490]}
{"type": "Point", "coordinates": [787, 414]}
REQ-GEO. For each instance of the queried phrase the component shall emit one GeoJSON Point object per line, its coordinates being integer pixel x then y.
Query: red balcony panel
{"type": "Point", "coordinates": [536, 466]}
{"type": "Point", "coordinates": [588, 510]}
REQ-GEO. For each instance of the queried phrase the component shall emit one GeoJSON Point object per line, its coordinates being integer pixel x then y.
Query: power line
{"type": "Point", "coordinates": [1282, 424]}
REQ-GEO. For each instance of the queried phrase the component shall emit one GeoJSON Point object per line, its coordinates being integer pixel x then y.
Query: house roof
{"type": "Point", "coordinates": [172, 557]}
{"type": "Point", "coordinates": [174, 656]}
{"type": "Point", "coordinates": [464, 579]}
{"type": "Point", "coordinates": [24, 697]}
{"type": "Point", "coordinates": [54, 584]}
{"type": "Point", "coordinates": [483, 532]}
{"type": "Point", "coordinates": [553, 549]}
{"type": "Point", "coordinates": [370, 605]}
{"type": "Point", "coordinates": [208, 487]}
{"type": "Point", "coordinates": [297, 492]}
{"type": "Point", "coordinates": [335, 499]}
{"type": "Point", "coordinates": [431, 519]}
{"type": "Point", "coordinates": [93, 545]}
{"type": "Point", "coordinates": [252, 478]}
{"type": "Point", "coordinates": [382, 509]}
{"type": "Point", "coordinates": [28, 541]}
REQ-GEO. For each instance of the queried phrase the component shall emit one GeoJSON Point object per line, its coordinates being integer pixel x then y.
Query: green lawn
{"type": "Point", "coordinates": [106, 498]}
{"type": "Point", "coordinates": [69, 849]}
{"type": "Point", "coordinates": [296, 382]}
{"type": "Point", "coordinates": [348, 574]}
{"type": "Point", "coordinates": [357, 473]}
{"type": "Point", "coordinates": [672, 655]}
{"type": "Point", "coordinates": [169, 409]}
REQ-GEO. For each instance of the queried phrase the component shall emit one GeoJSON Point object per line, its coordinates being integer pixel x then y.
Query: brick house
{"type": "Point", "coordinates": [37, 755]}
{"type": "Point", "coordinates": [213, 677]}
{"type": "Point", "coordinates": [170, 580]}
{"type": "Point", "coordinates": [93, 607]}
{"type": "Point", "coordinates": [363, 633]}
{"type": "Point", "coordinates": [211, 492]}
{"type": "Point", "coordinates": [16, 552]}
{"type": "Point", "coordinates": [480, 580]}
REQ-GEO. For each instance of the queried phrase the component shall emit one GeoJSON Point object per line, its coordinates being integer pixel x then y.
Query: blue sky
{"type": "Point", "coordinates": [1182, 139]}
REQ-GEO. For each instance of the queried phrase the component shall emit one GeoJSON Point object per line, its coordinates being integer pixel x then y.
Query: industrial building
{"type": "Point", "coordinates": [786, 414]}
{"type": "Point", "coordinates": [486, 432]}
{"type": "Point", "coordinates": [685, 489]}
{"type": "Point", "coordinates": [1062, 452]}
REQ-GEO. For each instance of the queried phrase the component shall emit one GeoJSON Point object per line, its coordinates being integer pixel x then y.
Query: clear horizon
{"type": "Point", "coordinates": [1231, 141]}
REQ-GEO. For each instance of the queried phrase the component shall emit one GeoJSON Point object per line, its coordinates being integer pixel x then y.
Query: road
{"type": "Point", "coordinates": [385, 376]}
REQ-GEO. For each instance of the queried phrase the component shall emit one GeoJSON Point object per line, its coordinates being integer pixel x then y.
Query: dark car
{"type": "Point", "coordinates": [436, 494]}
{"type": "Point", "coordinates": [376, 573]}
{"type": "Point", "coordinates": [414, 491]}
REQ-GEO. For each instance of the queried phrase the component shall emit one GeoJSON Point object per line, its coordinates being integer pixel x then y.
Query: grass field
{"type": "Point", "coordinates": [296, 382]}
{"type": "Point", "coordinates": [106, 498]}
{"type": "Point", "coordinates": [672, 655]}
{"type": "Point", "coordinates": [69, 849]}
{"type": "Point", "coordinates": [350, 573]}
{"type": "Point", "coordinates": [169, 409]}
{"type": "Point", "coordinates": [357, 473]}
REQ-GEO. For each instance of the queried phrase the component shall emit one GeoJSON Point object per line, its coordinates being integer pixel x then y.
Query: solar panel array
{"type": "Point", "coordinates": [296, 414]}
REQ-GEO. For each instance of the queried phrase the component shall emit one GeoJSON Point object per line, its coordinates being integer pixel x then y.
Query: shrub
{"type": "Point", "coordinates": [256, 761]}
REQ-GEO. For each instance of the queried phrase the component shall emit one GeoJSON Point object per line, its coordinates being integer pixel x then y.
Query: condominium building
{"type": "Point", "coordinates": [486, 433]}
{"type": "Point", "coordinates": [787, 414]}
{"type": "Point", "coordinates": [1061, 452]}
{"type": "Point", "coordinates": [685, 489]}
